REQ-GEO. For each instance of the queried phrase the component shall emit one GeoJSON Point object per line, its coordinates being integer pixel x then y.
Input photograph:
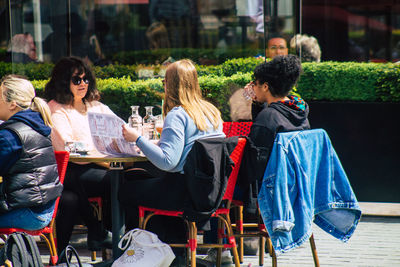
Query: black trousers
{"type": "Point", "coordinates": [149, 186]}
{"type": "Point", "coordinates": [81, 182]}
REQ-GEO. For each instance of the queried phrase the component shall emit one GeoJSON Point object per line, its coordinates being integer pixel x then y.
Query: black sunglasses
{"type": "Point", "coordinates": [77, 80]}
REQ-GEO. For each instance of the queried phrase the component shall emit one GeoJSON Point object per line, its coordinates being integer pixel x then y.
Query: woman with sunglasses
{"type": "Point", "coordinates": [72, 93]}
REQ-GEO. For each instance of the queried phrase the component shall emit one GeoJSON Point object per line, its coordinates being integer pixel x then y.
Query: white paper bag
{"type": "Point", "coordinates": [143, 249]}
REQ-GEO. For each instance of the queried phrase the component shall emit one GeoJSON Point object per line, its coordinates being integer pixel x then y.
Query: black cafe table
{"type": "Point", "coordinates": [116, 174]}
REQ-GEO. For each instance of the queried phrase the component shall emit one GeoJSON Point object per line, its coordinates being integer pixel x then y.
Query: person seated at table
{"type": "Point", "coordinates": [29, 184]}
{"type": "Point", "coordinates": [274, 110]}
{"type": "Point", "coordinates": [188, 117]}
{"type": "Point", "coordinates": [72, 93]}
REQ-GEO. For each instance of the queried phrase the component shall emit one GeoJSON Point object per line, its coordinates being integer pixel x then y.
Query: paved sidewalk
{"type": "Point", "coordinates": [375, 243]}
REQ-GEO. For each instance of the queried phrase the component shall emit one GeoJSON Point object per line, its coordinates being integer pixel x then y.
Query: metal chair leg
{"type": "Point", "coordinates": [239, 227]}
{"type": "Point", "coordinates": [261, 252]}
{"type": "Point", "coordinates": [193, 237]}
{"type": "Point", "coordinates": [220, 241]}
{"type": "Point", "coordinates": [93, 255]}
{"type": "Point", "coordinates": [314, 251]}
{"type": "Point", "coordinates": [231, 238]}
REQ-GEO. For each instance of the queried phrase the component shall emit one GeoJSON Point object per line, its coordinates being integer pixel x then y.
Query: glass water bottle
{"type": "Point", "coordinates": [149, 124]}
{"type": "Point", "coordinates": [135, 120]}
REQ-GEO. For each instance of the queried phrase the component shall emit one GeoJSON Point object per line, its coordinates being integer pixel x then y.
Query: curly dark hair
{"type": "Point", "coordinates": [281, 74]}
{"type": "Point", "coordinates": [58, 88]}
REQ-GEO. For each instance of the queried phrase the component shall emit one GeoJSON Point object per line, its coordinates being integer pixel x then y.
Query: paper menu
{"type": "Point", "coordinates": [106, 131]}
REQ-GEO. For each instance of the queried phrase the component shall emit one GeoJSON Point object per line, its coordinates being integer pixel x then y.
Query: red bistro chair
{"type": "Point", "coordinates": [145, 213]}
{"type": "Point", "coordinates": [62, 162]}
{"type": "Point", "coordinates": [237, 129]}
{"type": "Point", "coordinates": [240, 128]}
{"type": "Point", "coordinates": [226, 127]}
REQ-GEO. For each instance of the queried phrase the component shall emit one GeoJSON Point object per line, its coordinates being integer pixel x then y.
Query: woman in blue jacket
{"type": "Point", "coordinates": [188, 117]}
{"type": "Point", "coordinates": [29, 183]}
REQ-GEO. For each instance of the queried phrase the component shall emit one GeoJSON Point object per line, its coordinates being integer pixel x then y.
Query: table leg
{"type": "Point", "coordinates": [117, 212]}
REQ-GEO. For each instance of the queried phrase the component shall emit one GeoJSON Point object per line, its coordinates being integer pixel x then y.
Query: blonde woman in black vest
{"type": "Point", "coordinates": [29, 183]}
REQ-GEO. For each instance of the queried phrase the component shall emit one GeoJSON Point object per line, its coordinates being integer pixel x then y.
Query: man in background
{"type": "Point", "coordinates": [277, 46]}
{"type": "Point", "coordinates": [22, 49]}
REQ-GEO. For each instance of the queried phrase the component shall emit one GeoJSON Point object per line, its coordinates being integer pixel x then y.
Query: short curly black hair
{"type": "Point", "coordinates": [58, 88]}
{"type": "Point", "coordinates": [281, 74]}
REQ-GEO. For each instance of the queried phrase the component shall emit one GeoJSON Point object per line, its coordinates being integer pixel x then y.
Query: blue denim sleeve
{"type": "Point", "coordinates": [168, 152]}
{"type": "Point", "coordinates": [10, 149]}
{"type": "Point", "coordinates": [274, 197]}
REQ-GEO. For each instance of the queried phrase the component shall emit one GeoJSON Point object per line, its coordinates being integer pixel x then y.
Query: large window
{"type": "Point", "coordinates": [353, 30]}
{"type": "Point", "coordinates": [141, 31]}
{"type": "Point", "coordinates": [207, 31]}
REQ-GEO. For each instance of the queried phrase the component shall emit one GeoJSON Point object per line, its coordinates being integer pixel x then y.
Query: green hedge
{"type": "Point", "coordinates": [217, 56]}
{"type": "Point", "coordinates": [340, 81]}
{"type": "Point", "coordinates": [40, 71]}
{"type": "Point", "coordinates": [327, 81]}
{"type": "Point", "coordinates": [35, 71]}
{"type": "Point", "coordinates": [150, 92]}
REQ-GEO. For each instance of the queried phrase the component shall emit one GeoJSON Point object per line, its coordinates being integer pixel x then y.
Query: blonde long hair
{"type": "Point", "coordinates": [18, 89]}
{"type": "Point", "coordinates": [182, 89]}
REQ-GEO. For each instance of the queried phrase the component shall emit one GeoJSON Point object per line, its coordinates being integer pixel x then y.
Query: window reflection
{"type": "Point", "coordinates": [354, 30]}
{"type": "Point", "coordinates": [207, 31]}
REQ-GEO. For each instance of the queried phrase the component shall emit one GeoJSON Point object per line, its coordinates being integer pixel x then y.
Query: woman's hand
{"type": "Point", "coordinates": [130, 134]}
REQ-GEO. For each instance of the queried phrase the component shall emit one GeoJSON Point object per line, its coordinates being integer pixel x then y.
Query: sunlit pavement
{"type": "Point", "coordinates": [375, 243]}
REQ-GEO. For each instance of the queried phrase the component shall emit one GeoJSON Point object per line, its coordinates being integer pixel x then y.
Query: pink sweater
{"type": "Point", "coordinates": [71, 125]}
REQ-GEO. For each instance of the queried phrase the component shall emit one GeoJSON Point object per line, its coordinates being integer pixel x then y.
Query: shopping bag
{"type": "Point", "coordinates": [66, 257]}
{"type": "Point", "coordinates": [143, 249]}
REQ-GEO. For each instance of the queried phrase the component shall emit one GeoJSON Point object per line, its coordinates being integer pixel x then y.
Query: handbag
{"type": "Point", "coordinates": [143, 249]}
{"type": "Point", "coordinates": [67, 254]}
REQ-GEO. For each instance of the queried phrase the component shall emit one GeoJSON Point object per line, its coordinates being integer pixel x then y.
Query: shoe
{"type": "Point", "coordinates": [226, 257]}
{"type": "Point", "coordinates": [96, 242]}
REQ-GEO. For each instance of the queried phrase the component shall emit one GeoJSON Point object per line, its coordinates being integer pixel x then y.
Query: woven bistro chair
{"type": "Point", "coordinates": [46, 233]}
{"type": "Point", "coordinates": [145, 213]}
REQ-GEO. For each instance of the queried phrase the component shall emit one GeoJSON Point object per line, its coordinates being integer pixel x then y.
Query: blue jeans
{"type": "Point", "coordinates": [26, 218]}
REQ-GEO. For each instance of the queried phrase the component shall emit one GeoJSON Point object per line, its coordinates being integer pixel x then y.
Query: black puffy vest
{"type": "Point", "coordinates": [33, 179]}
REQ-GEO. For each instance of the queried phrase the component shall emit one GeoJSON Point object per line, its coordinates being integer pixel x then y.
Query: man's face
{"type": "Point", "coordinates": [276, 47]}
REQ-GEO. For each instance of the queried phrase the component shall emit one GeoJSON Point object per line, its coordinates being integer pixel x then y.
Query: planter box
{"type": "Point", "coordinates": [366, 139]}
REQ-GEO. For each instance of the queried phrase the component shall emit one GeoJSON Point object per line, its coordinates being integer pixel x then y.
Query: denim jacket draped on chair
{"type": "Point", "coordinates": [304, 182]}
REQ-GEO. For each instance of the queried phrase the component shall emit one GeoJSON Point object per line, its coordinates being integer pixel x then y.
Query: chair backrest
{"type": "Point", "coordinates": [62, 158]}
{"type": "Point", "coordinates": [236, 156]}
{"type": "Point", "coordinates": [240, 128]}
{"type": "Point", "coordinates": [226, 127]}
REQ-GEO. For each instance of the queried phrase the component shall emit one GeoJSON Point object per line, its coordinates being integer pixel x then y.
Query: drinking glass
{"type": "Point", "coordinates": [149, 124]}
{"type": "Point", "coordinates": [159, 124]}
{"type": "Point", "coordinates": [135, 120]}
